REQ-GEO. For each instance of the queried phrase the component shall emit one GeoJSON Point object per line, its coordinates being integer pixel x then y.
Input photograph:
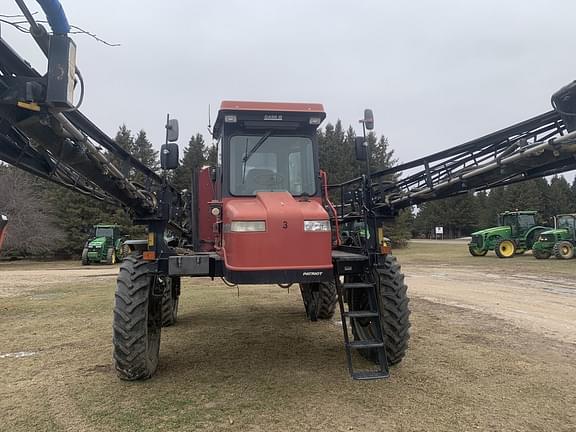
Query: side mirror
{"type": "Point", "coordinates": [361, 147]}
{"type": "Point", "coordinates": [169, 158]}
{"type": "Point", "coordinates": [172, 130]}
{"type": "Point", "coordinates": [369, 119]}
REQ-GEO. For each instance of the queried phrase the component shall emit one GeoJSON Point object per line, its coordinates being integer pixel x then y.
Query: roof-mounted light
{"type": "Point", "coordinates": [315, 120]}
{"type": "Point", "coordinates": [230, 118]}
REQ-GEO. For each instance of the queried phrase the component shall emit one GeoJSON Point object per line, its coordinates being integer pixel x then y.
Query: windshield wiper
{"type": "Point", "coordinates": [248, 155]}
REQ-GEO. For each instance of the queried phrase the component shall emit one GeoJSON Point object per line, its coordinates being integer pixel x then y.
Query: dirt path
{"type": "Point", "coordinates": [26, 278]}
{"type": "Point", "coordinates": [543, 304]}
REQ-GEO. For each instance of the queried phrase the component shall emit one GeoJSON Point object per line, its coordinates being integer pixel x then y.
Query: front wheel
{"type": "Point", "coordinates": [564, 250]}
{"type": "Point", "coordinates": [476, 252]}
{"type": "Point", "coordinates": [111, 256]}
{"type": "Point", "coordinates": [541, 254]}
{"type": "Point", "coordinates": [137, 320]}
{"type": "Point", "coordinates": [85, 256]}
{"type": "Point", "coordinates": [505, 248]}
{"type": "Point", "coordinates": [394, 312]}
{"type": "Point", "coordinates": [320, 299]}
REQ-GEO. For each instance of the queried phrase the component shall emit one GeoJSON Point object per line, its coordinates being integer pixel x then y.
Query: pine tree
{"type": "Point", "coordinates": [194, 158]}
{"type": "Point", "coordinates": [212, 155]}
{"type": "Point", "coordinates": [125, 139]}
{"type": "Point", "coordinates": [560, 197]}
{"type": "Point", "coordinates": [145, 153]}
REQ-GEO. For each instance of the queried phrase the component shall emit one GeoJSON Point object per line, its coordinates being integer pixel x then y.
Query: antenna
{"type": "Point", "coordinates": [210, 123]}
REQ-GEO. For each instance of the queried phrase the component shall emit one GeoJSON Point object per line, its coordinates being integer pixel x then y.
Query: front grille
{"type": "Point", "coordinates": [476, 241]}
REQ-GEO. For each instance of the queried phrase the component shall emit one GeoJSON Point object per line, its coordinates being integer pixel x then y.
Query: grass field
{"type": "Point", "coordinates": [253, 363]}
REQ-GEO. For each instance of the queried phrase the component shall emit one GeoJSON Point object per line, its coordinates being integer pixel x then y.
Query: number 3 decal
{"type": "Point", "coordinates": [285, 224]}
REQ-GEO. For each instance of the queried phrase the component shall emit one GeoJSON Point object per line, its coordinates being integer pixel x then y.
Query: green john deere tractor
{"type": "Point", "coordinates": [104, 246]}
{"type": "Point", "coordinates": [559, 241]}
{"type": "Point", "coordinates": [515, 234]}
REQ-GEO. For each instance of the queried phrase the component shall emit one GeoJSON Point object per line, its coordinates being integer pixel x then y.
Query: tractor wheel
{"type": "Point", "coordinates": [111, 256]}
{"type": "Point", "coordinates": [320, 299]}
{"type": "Point", "coordinates": [170, 301]}
{"type": "Point", "coordinates": [85, 256]}
{"type": "Point", "coordinates": [124, 251]}
{"type": "Point", "coordinates": [394, 312]}
{"type": "Point", "coordinates": [505, 248]}
{"type": "Point", "coordinates": [137, 320]}
{"type": "Point", "coordinates": [564, 250]}
{"type": "Point", "coordinates": [474, 251]}
{"type": "Point", "coordinates": [541, 254]}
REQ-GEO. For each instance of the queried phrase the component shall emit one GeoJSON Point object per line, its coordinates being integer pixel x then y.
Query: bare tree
{"type": "Point", "coordinates": [31, 227]}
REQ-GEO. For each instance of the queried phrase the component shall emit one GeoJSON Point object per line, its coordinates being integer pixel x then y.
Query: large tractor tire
{"type": "Point", "coordinates": [476, 252]}
{"type": "Point", "coordinates": [170, 301]}
{"type": "Point", "coordinates": [394, 312]}
{"type": "Point", "coordinates": [85, 256]}
{"type": "Point", "coordinates": [320, 299]}
{"type": "Point", "coordinates": [111, 256]}
{"type": "Point", "coordinates": [564, 250]}
{"type": "Point", "coordinates": [505, 248]}
{"type": "Point", "coordinates": [137, 320]}
{"type": "Point", "coordinates": [541, 254]}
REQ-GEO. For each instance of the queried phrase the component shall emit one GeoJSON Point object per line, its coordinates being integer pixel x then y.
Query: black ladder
{"type": "Point", "coordinates": [373, 315]}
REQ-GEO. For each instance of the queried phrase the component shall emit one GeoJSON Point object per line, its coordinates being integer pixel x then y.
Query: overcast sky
{"type": "Point", "coordinates": [436, 73]}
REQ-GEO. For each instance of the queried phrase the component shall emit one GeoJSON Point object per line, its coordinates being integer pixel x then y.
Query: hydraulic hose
{"type": "Point", "coordinates": [55, 16]}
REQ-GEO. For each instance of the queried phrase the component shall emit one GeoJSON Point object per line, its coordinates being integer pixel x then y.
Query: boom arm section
{"type": "Point", "coordinates": [65, 147]}
{"type": "Point", "coordinates": [541, 146]}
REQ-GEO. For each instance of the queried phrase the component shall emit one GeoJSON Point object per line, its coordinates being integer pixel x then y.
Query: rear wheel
{"type": "Point", "coordinates": [137, 320]}
{"type": "Point", "coordinates": [394, 312]}
{"type": "Point", "coordinates": [85, 256]}
{"type": "Point", "coordinates": [564, 250]}
{"type": "Point", "coordinates": [505, 248]}
{"type": "Point", "coordinates": [476, 251]}
{"type": "Point", "coordinates": [541, 254]}
{"type": "Point", "coordinates": [170, 301]}
{"type": "Point", "coordinates": [111, 256]}
{"type": "Point", "coordinates": [320, 299]}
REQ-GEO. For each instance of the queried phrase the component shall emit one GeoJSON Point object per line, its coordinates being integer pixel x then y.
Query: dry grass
{"type": "Point", "coordinates": [253, 363]}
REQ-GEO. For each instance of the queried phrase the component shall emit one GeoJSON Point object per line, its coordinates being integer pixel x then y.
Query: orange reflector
{"type": "Point", "coordinates": [149, 255]}
{"type": "Point", "coordinates": [385, 249]}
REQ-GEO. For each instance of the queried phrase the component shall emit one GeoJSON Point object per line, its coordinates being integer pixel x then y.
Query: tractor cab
{"type": "Point", "coordinates": [106, 231]}
{"type": "Point", "coordinates": [566, 222]}
{"type": "Point", "coordinates": [519, 222]}
{"type": "Point", "coordinates": [270, 219]}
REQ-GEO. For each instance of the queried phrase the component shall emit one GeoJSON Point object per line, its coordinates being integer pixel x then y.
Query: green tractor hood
{"type": "Point", "coordinates": [557, 232]}
{"type": "Point", "coordinates": [493, 230]}
{"type": "Point", "coordinates": [97, 242]}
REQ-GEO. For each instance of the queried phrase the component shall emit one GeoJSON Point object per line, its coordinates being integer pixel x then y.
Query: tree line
{"type": "Point", "coordinates": [46, 219]}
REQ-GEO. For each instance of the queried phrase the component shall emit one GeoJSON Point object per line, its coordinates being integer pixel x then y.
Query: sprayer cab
{"type": "Point", "coordinates": [272, 223]}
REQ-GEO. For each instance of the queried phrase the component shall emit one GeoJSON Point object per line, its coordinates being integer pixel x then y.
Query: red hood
{"type": "Point", "coordinates": [284, 244]}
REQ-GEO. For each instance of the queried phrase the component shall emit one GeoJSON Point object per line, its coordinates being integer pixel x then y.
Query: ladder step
{"type": "Point", "coordinates": [369, 375]}
{"type": "Point", "coordinates": [357, 285]}
{"type": "Point", "coordinates": [366, 344]}
{"type": "Point", "coordinates": [361, 314]}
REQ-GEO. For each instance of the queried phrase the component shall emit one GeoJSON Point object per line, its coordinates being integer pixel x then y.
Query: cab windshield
{"type": "Point", "coordinates": [567, 222]}
{"type": "Point", "coordinates": [104, 232]}
{"type": "Point", "coordinates": [523, 221]}
{"type": "Point", "coordinates": [268, 163]}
